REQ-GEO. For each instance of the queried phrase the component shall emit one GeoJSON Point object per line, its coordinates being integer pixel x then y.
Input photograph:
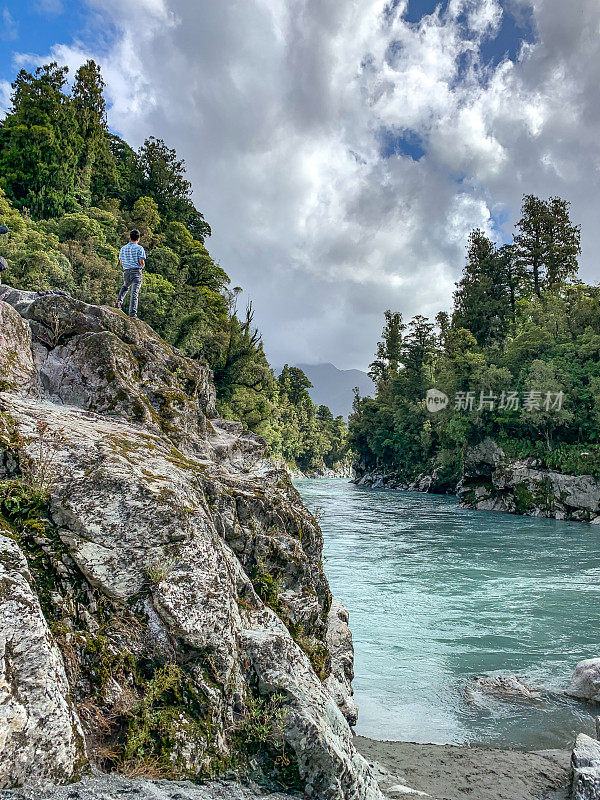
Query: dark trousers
{"type": "Point", "coordinates": [132, 278]}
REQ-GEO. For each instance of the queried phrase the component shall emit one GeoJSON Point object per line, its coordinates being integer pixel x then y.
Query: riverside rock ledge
{"type": "Point", "coordinates": [163, 606]}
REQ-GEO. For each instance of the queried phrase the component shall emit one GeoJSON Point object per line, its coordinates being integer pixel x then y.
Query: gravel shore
{"type": "Point", "coordinates": [446, 772]}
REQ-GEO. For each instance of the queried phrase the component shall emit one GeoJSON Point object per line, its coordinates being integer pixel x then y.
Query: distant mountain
{"type": "Point", "coordinates": [333, 387]}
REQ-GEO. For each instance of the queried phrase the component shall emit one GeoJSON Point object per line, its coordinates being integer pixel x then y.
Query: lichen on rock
{"type": "Point", "coordinates": [178, 572]}
{"type": "Point", "coordinates": [40, 734]}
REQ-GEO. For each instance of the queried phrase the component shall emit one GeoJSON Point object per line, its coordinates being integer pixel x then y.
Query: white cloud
{"type": "Point", "coordinates": [278, 109]}
{"type": "Point", "coordinates": [5, 93]}
{"type": "Point", "coordinates": [49, 6]}
{"type": "Point", "coordinates": [8, 26]}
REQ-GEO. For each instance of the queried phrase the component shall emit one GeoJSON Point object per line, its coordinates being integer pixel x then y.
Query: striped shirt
{"type": "Point", "coordinates": [130, 255]}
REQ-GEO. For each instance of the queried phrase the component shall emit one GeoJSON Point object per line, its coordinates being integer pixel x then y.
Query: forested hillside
{"type": "Point", "coordinates": [70, 190]}
{"type": "Point", "coordinates": [518, 359]}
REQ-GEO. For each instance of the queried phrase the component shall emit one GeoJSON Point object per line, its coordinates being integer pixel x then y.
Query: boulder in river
{"type": "Point", "coordinates": [504, 686]}
{"type": "Point", "coordinates": [585, 681]}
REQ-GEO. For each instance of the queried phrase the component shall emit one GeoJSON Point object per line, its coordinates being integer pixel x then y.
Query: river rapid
{"type": "Point", "coordinates": [439, 595]}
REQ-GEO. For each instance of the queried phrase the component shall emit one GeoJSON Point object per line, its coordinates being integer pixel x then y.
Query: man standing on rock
{"type": "Point", "coordinates": [132, 258]}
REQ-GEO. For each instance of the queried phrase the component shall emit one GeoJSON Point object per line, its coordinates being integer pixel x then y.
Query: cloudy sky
{"type": "Point", "coordinates": [343, 149]}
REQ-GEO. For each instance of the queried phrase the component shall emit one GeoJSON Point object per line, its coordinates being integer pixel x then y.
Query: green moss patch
{"type": "Point", "coordinates": [259, 737]}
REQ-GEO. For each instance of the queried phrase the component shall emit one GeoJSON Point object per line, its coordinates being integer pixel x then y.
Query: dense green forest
{"type": "Point", "coordinates": [518, 359]}
{"type": "Point", "coordinates": [70, 191]}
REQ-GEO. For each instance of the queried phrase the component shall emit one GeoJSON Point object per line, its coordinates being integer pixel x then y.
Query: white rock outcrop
{"type": "Point", "coordinates": [17, 370]}
{"type": "Point", "coordinates": [339, 642]}
{"type": "Point", "coordinates": [180, 571]}
{"type": "Point", "coordinates": [40, 734]}
{"type": "Point", "coordinates": [493, 482]}
{"type": "Point", "coordinates": [585, 769]}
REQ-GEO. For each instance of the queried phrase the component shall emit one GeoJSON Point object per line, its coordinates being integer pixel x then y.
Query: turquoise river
{"type": "Point", "coordinates": [439, 595]}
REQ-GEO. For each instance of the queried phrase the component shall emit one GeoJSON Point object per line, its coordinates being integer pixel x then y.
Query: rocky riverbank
{"type": "Point", "coordinates": [163, 606]}
{"type": "Point", "coordinates": [491, 481]}
{"type": "Point", "coordinates": [405, 771]}
{"type": "Point", "coordinates": [390, 479]}
{"type": "Point", "coordinates": [341, 471]}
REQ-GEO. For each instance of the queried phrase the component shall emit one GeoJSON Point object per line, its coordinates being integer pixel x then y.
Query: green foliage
{"type": "Point", "coordinates": [159, 571]}
{"type": "Point", "coordinates": [317, 652]}
{"type": "Point", "coordinates": [70, 191]}
{"type": "Point", "coordinates": [547, 243]}
{"type": "Point", "coordinates": [389, 350]}
{"type": "Point", "coordinates": [150, 723]}
{"type": "Point", "coordinates": [524, 500]}
{"type": "Point", "coordinates": [267, 587]}
{"type": "Point", "coordinates": [40, 143]}
{"type": "Point", "coordinates": [104, 662]}
{"type": "Point", "coordinates": [22, 505]}
{"type": "Point", "coordinates": [482, 303]}
{"type": "Point", "coordinates": [522, 322]}
{"type": "Point", "coordinates": [262, 722]}
{"type": "Point", "coordinates": [145, 211]}
{"type": "Point", "coordinates": [571, 459]}
{"type": "Point", "coordinates": [259, 734]}
{"type": "Point", "coordinates": [304, 434]}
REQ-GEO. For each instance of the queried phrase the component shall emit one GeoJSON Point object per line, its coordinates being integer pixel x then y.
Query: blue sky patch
{"type": "Point", "coordinates": [401, 143]}
{"type": "Point", "coordinates": [516, 27]}
{"type": "Point", "coordinates": [507, 43]}
{"type": "Point", "coordinates": [34, 26]}
{"type": "Point", "coordinates": [417, 9]}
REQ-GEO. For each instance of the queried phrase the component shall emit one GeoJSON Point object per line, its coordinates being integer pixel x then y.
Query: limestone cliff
{"type": "Point", "coordinates": [493, 482]}
{"type": "Point", "coordinates": [163, 606]}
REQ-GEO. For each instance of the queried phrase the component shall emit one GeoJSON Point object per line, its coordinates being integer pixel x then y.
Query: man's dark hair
{"type": "Point", "coordinates": [134, 235]}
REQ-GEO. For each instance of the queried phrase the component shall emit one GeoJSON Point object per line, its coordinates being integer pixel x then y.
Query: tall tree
{"type": "Point", "coordinates": [547, 243]}
{"type": "Point", "coordinates": [96, 164]}
{"type": "Point", "coordinates": [40, 143]}
{"type": "Point", "coordinates": [126, 186]}
{"type": "Point", "coordinates": [295, 384]}
{"type": "Point", "coordinates": [418, 351]}
{"type": "Point", "coordinates": [163, 176]}
{"type": "Point", "coordinates": [88, 100]}
{"type": "Point", "coordinates": [482, 297]}
{"type": "Point", "coordinates": [515, 278]}
{"type": "Point", "coordinates": [389, 349]}
{"type": "Point", "coordinates": [563, 243]}
{"type": "Point", "coordinates": [530, 242]}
